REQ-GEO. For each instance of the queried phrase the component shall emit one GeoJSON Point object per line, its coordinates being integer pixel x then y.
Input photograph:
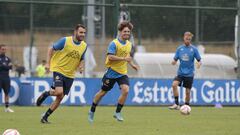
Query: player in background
{"type": "Point", "coordinates": [185, 53]}
{"type": "Point", "coordinates": [5, 66]}
{"type": "Point", "coordinates": [64, 58]}
{"type": "Point", "coordinates": [40, 69]}
{"type": "Point", "coordinates": [118, 56]}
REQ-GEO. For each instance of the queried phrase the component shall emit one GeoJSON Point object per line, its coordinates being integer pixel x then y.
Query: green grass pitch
{"type": "Point", "coordinates": [137, 121]}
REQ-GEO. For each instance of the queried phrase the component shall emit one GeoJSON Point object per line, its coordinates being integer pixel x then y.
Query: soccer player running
{"type": "Point", "coordinates": [5, 66]}
{"type": "Point", "coordinates": [64, 58]}
{"type": "Point", "coordinates": [185, 54]}
{"type": "Point", "coordinates": [118, 56]}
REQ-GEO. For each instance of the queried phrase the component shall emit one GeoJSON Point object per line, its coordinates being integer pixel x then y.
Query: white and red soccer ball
{"type": "Point", "coordinates": [11, 132]}
{"type": "Point", "coordinates": [185, 109]}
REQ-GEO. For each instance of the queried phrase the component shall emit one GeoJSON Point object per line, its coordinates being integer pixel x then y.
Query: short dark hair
{"type": "Point", "coordinates": [124, 24]}
{"type": "Point", "coordinates": [2, 45]}
{"type": "Point", "coordinates": [79, 25]}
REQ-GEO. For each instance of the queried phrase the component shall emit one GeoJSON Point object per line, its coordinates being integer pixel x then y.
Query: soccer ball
{"type": "Point", "coordinates": [185, 109]}
{"type": "Point", "coordinates": [11, 132]}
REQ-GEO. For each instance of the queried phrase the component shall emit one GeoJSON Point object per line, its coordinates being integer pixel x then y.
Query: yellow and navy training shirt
{"type": "Point", "coordinates": [120, 49]}
{"type": "Point", "coordinates": [67, 56]}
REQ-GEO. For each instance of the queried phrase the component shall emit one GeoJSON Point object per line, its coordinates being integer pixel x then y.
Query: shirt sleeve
{"type": "Point", "coordinates": [83, 55]}
{"type": "Point", "coordinates": [59, 45]}
{"type": "Point", "coordinates": [176, 57]}
{"type": "Point", "coordinates": [112, 48]}
{"type": "Point", "coordinates": [197, 55]}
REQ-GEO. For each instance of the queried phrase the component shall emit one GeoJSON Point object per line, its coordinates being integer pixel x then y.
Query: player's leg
{"type": "Point", "coordinates": [95, 102]}
{"type": "Point", "coordinates": [187, 94]}
{"type": "Point", "coordinates": [62, 87]}
{"type": "Point", "coordinates": [107, 85]}
{"type": "Point", "coordinates": [176, 82]}
{"type": "Point", "coordinates": [97, 99]}
{"type": "Point", "coordinates": [123, 82]}
{"type": "Point", "coordinates": [43, 96]}
{"type": "Point", "coordinates": [187, 83]}
{"type": "Point", "coordinates": [6, 89]}
{"type": "Point", "coordinates": [58, 81]}
{"type": "Point", "coordinates": [54, 105]}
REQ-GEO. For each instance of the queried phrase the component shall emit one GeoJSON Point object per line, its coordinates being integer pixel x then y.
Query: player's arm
{"type": "Point", "coordinates": [176, 57]}
{"type": "Point", "coordinates": [112, 57]}
{"type": "Point", "coordinates": [198, 58]}
{"type": "Point", "coordinates": [131, 63]}
{"type": "Point", "coordinates": [6, 66]}
{"type": "Point", "coordinates": [82, 62]}
{"type": "Point", "coordinates": [59, 45]}
{"type": "Point", "coordinates": [134, 66]}
{"type": "Point", "coordinates": [112, 51]}
{"type": "Point", "coordinates": [81, 66]}
{"type": "Point", "coordinates": [49, 56]}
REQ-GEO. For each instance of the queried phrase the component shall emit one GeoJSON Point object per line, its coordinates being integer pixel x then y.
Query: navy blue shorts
{"type": "Point", "coordinates": [5, 85]}
{"type": "Point", "coordinates": [60, 80]}
{"type": "Point", "coordinates": [185, 81]}
{"type": "Point", "coordinates": [108, 83]}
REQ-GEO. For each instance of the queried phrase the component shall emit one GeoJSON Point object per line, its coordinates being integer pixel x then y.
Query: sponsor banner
{"type": "Point", "coordinates": [142, 92]}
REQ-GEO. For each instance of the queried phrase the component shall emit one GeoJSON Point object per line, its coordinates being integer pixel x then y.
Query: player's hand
{"type": "Point", "coordinates": [135, 67]}
{"type": "Point", "coordinates": [47, 68]}
{"type": "Point", "coordinates": [198, 64]}
{"type": "Point", "coordinates": [81, 69]}
{"type": "Point", "coordinates": [128, 58]}
{"type": "Point", "coordinates": [174, 62]}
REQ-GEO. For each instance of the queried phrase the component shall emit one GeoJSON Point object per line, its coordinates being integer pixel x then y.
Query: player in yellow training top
{"type": "Point", "coordinates": [64, 58]}
{"type": "Point", "coordinates": [118, 56]}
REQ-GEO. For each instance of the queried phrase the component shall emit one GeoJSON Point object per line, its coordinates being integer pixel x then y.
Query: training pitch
{"type": "Point", "coordinates": [157, 120]}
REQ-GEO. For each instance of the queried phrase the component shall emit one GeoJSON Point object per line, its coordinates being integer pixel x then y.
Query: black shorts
{"type": "Point", "coordinates": [185, 81]}
{"type": "Point", "coordinates": [108, 83]}
{"type": "Point", "coordinates": [60, 80]}
{"type": "Point", "coordinates": [5, 85]}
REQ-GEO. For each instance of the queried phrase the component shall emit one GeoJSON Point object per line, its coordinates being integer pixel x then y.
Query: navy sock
{"type": "Point", "coordinates": [176, 100]}
{"type": "Point", "coordinates": [47, 93]}
{"type": "Point", "coordinates": [93, 107]}
{"type": "Point", "coordinates": [186, 103]}
{"type": "Point", "coordinates": [48, 113]}
{"type": "Point", "coordinates": [119, 108]}
{"type": "Point", "coordinates": [6, 104]}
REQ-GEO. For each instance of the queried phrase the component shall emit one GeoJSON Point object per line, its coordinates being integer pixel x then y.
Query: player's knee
{"type": "Point", "coordinates": [60, 96]}
{"type": "Point", "coordinates": [58, 93]}
{"type": "Point", "coordinates": [125, 93]}
{"type": "Point", "coordinates": [125, 90]}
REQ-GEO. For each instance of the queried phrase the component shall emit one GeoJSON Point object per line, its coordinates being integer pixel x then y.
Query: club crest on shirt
{"type": "Point", "coordinates": [107, 81]}
{"type": "Point", "coordinates": [185, 57]}
{"type": "Point", "coordinates": [57, 77]}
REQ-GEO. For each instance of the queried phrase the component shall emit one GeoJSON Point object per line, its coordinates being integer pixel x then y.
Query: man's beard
{"type": "Point", "coordinates": [79, 38]}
